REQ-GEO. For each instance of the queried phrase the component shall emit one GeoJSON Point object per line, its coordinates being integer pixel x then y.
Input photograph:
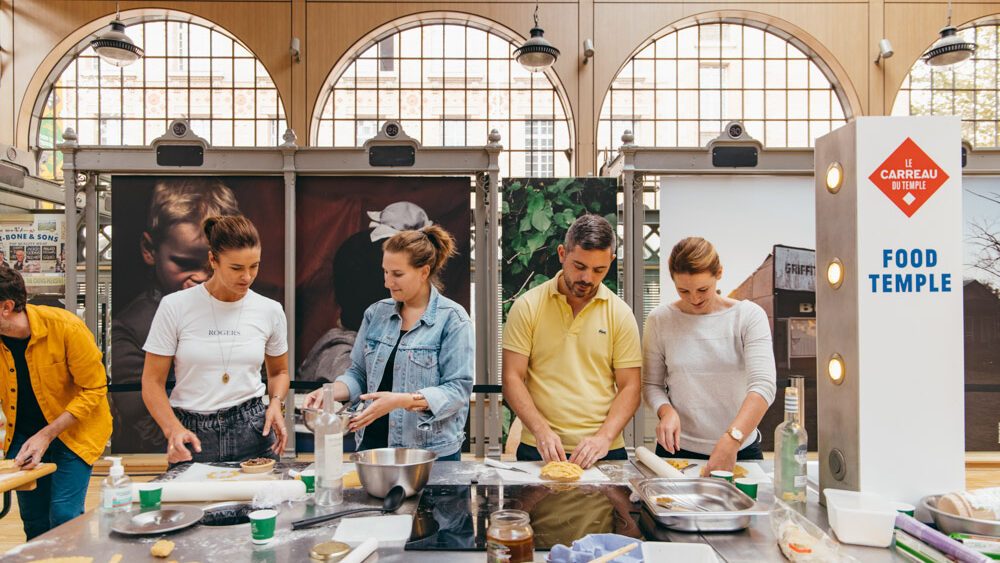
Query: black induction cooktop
{"type": "Point", "coordinates": [455, 517]}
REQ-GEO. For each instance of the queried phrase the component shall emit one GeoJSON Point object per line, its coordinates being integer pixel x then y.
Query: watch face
{"type": "Point", "coordinates": [736, 433]}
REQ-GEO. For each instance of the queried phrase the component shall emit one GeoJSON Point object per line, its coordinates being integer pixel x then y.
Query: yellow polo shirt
{"type": "Point", "coordinates": [571, 361]}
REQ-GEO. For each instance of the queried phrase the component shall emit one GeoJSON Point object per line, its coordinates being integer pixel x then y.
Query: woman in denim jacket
{"type": "Point", "coordinates": [414, 354]}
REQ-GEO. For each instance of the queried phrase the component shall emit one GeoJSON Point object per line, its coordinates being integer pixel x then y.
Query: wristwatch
{"type": "Point", "coordinates": [736, 434]}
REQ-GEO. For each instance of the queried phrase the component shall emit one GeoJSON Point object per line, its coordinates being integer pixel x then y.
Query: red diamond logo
{"type": "Point", "coordinates": [908, 177]}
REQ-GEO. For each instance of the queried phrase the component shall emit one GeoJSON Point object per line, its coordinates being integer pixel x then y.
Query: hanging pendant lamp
{"type": "Point", "coordinates": [114, 47]}
{"type": "Point", "coordinates": [950, 48]}
{"type": "Point", "coordinates": [536, 54]}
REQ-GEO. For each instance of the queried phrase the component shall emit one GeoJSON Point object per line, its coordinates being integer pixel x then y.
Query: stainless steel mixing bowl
{"type": "Point", "coordinates": [381, 469]}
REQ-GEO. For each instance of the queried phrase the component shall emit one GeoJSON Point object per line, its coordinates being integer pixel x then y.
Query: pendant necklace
{"type": "Point", "coordinates": [218, 336]}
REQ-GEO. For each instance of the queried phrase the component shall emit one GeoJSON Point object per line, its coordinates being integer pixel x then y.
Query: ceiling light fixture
{"type": "Point", "coordinates": [114, 47]}
{"type": "Point", "coordinates": [950, 48]}
{"type": "Point", "coordinates": [536, 54]}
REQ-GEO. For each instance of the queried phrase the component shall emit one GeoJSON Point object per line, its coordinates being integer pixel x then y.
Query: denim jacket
{"type": "Point", "coordinates": [436, 357]}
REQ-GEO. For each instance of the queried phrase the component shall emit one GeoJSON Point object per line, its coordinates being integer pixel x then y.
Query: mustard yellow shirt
{"type": "Point", "coordinates": [571, 361]}
{"type": "Point", "coordinates": [66, 376]}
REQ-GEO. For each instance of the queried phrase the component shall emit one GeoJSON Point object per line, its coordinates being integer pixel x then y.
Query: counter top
{"type": "Point", "coordinates": [90, 534]}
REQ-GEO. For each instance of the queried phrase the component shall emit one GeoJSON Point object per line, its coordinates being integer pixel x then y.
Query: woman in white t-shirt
{"type": "Point", "coordinates": [217, 335]}
{"type": "Point", "coordinates": [708, 365]}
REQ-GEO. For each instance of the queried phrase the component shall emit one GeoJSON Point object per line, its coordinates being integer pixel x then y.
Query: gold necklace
{"type": "Point", "coordinates": [218, 337]}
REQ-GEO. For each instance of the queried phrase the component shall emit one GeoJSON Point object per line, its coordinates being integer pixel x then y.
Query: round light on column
{"type": "Point", "coordinates": [834, 177]}
{"type": "Point", "coordinates": [835, 369]}
{"type": "Point", "coordinates": [835, 273]}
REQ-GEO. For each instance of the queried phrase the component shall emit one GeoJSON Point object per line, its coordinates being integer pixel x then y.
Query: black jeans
{"type": "Point", "coordinates": [748, 453]}
{"type": "Point", "coordinates": [233, 434]}
{"type": "Point", "coordinates": [530, 453]}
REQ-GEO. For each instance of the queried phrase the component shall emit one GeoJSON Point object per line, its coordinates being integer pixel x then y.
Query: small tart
{"type": "Point", "coordinates": [257, 465]}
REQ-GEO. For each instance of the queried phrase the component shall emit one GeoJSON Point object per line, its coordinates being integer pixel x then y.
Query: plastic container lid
{"type": "Point", "coordinates": [860, 518]}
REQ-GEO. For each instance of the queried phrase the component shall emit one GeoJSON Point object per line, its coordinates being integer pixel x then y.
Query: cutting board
{"type": "Point", "coordinates": [534, 475]}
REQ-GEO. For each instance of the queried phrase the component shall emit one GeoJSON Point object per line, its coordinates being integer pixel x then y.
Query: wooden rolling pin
{"type": "Point", "coordinates": [620, 551]}
{"type": "Point", "coordinates": [660, 467]}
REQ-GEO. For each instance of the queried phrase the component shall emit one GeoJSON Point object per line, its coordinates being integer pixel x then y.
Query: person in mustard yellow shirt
{"type": "Point", "coordinates": [571, 356]}
{"type": "Point", "coordinates": [54, 393]}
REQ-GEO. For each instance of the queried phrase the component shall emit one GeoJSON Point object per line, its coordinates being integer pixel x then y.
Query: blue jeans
{"type": "Point", "coordinates": [232, 434]}
{"type": "Point", "coordinates": [59, 497]}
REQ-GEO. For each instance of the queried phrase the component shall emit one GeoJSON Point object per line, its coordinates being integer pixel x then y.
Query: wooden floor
{"type": "Point", "coordinates": [982, 470]}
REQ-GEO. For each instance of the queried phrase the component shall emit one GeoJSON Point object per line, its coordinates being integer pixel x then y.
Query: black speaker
{"type": "Point", "coordinates": [736, 157]}
{"type": "Point", "coordinates": [180, 155]}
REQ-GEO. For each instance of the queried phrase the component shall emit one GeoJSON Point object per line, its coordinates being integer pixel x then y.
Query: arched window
{"type": "Point", "coordinates": [967, 89]}
{"type": "Point", "coordinates": [681, 88]}
{"type": "Point", "coordinates": [189, 71]}
{"type": "Point", "coordinates": [449, 83]}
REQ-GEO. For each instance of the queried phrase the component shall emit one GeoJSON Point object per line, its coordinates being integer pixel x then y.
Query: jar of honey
{"type": "Point", "coordinates": [509, 538]}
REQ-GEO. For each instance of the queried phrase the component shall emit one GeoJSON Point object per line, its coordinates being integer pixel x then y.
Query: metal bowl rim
{"type": "Point", "coordinates": [356, 458]}
{"type": "Point", "coordinates": [933, 509]}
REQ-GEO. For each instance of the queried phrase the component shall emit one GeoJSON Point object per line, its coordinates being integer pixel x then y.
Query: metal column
{"type": "Point", "coordinates": [288, 151]}
{"type": "Point", "coordinates": [93, 255]}
{"type": "Point", "coordinates": [68, 148]}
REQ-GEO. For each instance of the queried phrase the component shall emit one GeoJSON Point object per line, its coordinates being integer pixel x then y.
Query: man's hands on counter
{"type": "Point", "coordinates": [275, 419]}
{"type": "Point", "coordinates": [176, 450]}
{"type": "Point", "coordinates": [31, 452]}
{"type": "Point", "coordinates": [589, 450]}
{"type": "Point", "coordinates": [549, 445]}
{"type": "Point", "coordinates": [723, 456]}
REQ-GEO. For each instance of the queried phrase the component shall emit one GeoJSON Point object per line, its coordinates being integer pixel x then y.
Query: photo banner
{"type": "Point", "coordinates": [536, 214]}
{"type": "Point", "coordinates": [160, 248]}
{"type": "Point", "coordinates": [34, 244]}
{"type": "Point", "coordinates": [341, 223]}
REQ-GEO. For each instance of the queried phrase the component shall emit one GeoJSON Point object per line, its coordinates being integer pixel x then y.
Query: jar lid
{"type": "Point", "coordinates": [329, 551]}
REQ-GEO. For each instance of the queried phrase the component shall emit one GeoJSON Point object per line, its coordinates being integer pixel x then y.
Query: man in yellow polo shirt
{"type": "Point", "coordinates": [54, 393]}
{"type": "Point", "coordinates": [571, 356]}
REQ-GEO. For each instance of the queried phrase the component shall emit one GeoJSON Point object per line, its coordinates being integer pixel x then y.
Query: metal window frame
{"type": "Point", "coordinates": [80, 53]}
{"type": "Point", "coordinates": [624, 81]}
{"type": "Point", "coordinates": [349, 73]}
{"type": "Point", "coordinates": [290, 161]}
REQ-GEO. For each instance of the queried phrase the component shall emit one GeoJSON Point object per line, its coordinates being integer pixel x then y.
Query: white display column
{"type": "Point", "coordinates": [889, 328]}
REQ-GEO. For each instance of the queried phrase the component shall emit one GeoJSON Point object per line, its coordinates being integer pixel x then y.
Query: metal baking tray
{"type": "Point", "coordinates": [725, 508]}
{"type": "Point", "coordinates": [951, 523]}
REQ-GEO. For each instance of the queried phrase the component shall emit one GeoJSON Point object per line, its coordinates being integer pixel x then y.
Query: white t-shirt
{"type": "Point", "coordinates": [209, 338]}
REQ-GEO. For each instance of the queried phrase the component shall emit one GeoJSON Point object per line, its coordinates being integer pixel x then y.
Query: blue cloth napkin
{"type": "Point", "coordinates": [593, 546]}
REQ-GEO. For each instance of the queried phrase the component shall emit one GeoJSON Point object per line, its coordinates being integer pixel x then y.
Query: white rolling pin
{"type": "Point", "coordinates": [660, 467]}
{"type": "Point", "coordinates": [204, 491]}
{"type": "Point", "coordinates": [360, 553]}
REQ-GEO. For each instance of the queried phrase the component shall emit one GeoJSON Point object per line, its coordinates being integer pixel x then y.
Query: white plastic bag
{"type": "Point", "coordinates": [801, 541]}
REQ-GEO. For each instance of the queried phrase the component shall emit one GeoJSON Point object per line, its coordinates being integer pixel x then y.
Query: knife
{"type": "Point", "coordinates": [501, 465]}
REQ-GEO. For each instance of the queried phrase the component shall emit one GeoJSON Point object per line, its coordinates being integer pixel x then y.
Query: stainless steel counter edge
{"type": "Point", "coordinates": [90, 534]}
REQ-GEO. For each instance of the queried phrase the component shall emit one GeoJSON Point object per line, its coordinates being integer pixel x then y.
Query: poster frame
{"type": "Point", "coordinates": [82, 165]}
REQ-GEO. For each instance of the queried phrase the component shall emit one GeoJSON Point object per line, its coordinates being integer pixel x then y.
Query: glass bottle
{"type": "Point", "coordinates": [329, 436]}
{"type": "Point", "coordinates": [790, 445]}
{"type": "Point", "coordinates": [509, 538]}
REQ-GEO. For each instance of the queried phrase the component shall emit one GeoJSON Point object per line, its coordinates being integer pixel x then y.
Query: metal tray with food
{"type": "Point", "coordinates": [952, 523]}
{"type": "Point", "coordinates": [697, 505]}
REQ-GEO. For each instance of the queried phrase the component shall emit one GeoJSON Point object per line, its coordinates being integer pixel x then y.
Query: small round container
{"type": "Point", "coordinates": [510, 537]}
{"type": "Point", "coordinates": [724, 475]}
{"type": "Point", "coordinates": [905, 508]}
{"type": "Point", "coordinates": [329, 551]}
{"type": "Point", "coordinates": [249, 467]}
{"type": "Point", "coordinates": [262, 525]}
{"type": "Point", "coordinates": [748, 486]}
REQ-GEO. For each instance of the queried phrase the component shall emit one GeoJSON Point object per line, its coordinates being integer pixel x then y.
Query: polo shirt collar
{"type": "Point", "coordinates": [603, 293]}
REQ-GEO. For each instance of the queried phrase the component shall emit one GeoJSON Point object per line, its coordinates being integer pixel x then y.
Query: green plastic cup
{"type": "Point", "coordinates": [149, 495]}
{"type": "Point", "coordinates": [309, 479]}
{"type": "Point", "coordinates": [724, 475]}
{"type": "Point", "coordinates": [904, 508]}
{"type": "Point", "coordinates": [262, 525]}
{"type": "Point", "coordinates": [748, 486]}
